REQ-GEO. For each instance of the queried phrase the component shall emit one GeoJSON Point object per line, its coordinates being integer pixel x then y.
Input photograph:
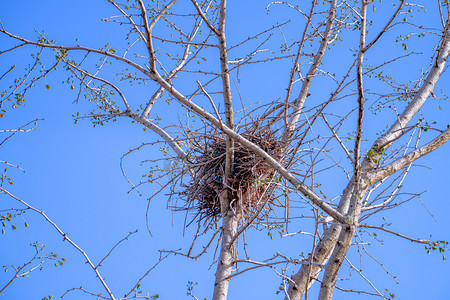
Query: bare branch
{"type": "Point", "coordinates": [420, 241]}
{"type": "Point", "coordinates": [66, 238]}
{"type": "Point", "coordinates": [381, 173]}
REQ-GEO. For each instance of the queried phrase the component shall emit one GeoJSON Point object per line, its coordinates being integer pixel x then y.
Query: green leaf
{"type": "Point", "coordinates": [13, 227]}
{"type": "Point", "coordinates": [47, 86]}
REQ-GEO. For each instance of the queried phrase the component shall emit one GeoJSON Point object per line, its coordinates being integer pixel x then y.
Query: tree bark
{"type": "Point", "coordinates": [230, 218]}
{"type": "Point", "coordinates": [230, 222]}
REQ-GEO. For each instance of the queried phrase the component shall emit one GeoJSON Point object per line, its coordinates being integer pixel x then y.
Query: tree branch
{"type": "Point", "coordinates": [300, 101]}
{"type": "Point", "coordinates": [382, 173]}
{"type": "Point", "coordinates": [66, 238]}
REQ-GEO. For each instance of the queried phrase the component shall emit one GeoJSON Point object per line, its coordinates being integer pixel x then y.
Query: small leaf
{"type": "Point", "coordinates": [47, 86]}
{"type": "Point", "coordinates": [14, 227]}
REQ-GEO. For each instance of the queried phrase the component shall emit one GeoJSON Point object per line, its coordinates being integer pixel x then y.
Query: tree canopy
{"type": "Point", "coordinates": [260, 149]}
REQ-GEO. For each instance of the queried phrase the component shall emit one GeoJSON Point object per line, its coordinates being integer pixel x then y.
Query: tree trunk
{"type": "Point", "coordinates": [227, 251]}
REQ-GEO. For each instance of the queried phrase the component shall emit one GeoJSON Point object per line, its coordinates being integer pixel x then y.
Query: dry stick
{"type": "Point", "coordinates": [337, 138]}
{"type": "Point", "coordinates": [184, 42]}
{"type": "Point", "coordinates": [205, 247]}
{"type": "Point", "coordinates": [255, 215]}
{"type": "Point", "coordinates": [115, 246]}
{"type": "Point", "coordinates": [421, 241]}
{"type": "Point", "coordinates": [376, 260]}
{"type": "Point", "coordinates": [6, 73]}
{"type": "Point", "coordinates": [295, 67]}
{"type": "Point", "coordinates": [385, 28]}
{"type": "Point", "coordinates": [212, 103]}
{"type": "Point", "coordinates": [13, 48]}
{"type": "Point", "coordinates": [149, 27]}
{"type": "Point", "coordinates": [365, 278]}
{"type": "Point", "coordinates": [242, 102]}
{"type": "Point", "coordinates": [262, 264]}
{"type": "Point", "coordinates": [161, 258]}
{"type": "Point", "coordinates": [123, 170]}
{"type": "Point", "coordinates": [66, 238]}
{"type": "Point", "coordinates": [99, 296]}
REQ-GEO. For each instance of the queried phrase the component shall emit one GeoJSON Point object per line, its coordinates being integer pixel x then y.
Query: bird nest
{"type": "Point", "coordinates": [249, 182]}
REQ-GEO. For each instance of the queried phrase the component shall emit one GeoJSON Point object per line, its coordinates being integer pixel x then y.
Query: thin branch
{"type": "Point", "coordinates": [115, 246]}
{"type": "Point", "coordinates": [381, 173]}
{"type": "Point", "coordinates": [385, 27]}
{"type": "Point", "coordinates": [338, 139]}
{"type": "Point", "coordinates": [205, 19]}
{"type": "Point", "coordinates": [212, 103]}
{"type": "Point", "coordinates": [420, 241]}
{"type": "Point", "coordinates": [66, 238]}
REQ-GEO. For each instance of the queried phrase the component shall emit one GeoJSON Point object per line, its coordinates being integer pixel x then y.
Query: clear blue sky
{"type": "Point", "coordinates": [73, 174]}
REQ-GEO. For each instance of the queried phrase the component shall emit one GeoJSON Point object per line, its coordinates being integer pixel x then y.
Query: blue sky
{"type": "Point", "coordinates": [73, 174]}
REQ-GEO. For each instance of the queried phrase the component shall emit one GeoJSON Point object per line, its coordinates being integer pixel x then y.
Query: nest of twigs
{"type": "Point", "coordinates": [248, 184]}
